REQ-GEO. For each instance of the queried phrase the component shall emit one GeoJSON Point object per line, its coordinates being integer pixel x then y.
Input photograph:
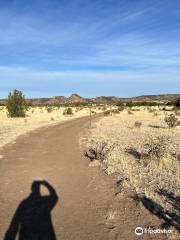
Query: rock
{"type": "Point", "coordinates": [95, 163]}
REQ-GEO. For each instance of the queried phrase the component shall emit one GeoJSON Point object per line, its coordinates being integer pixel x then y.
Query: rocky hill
{"type": "Point", "coordinates": [75, 99]}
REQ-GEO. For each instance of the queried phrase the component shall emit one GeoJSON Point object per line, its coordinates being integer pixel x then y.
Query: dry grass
{"type": "Point", "coordinates": [145, 173]}
{"type": "Point", "coordinates": [11, 128]}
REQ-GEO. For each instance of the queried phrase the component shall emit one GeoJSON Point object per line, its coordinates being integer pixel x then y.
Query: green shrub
{"type": "Point", "coordinates": [129, 104]}
{"type": "Point", "coordinates": [177, 103]}
{"type": "Point", "coordinates": [119, 104]}
{"type": "Point", "coordinates": [16, 104]}
{"type": "Point", "coordinates": [68, 111]}
{"type": "Point", "coordinates": [93, 112]}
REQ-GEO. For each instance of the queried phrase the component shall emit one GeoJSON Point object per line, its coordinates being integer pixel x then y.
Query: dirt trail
{"type": "Point", "coordinates": [85, 194]}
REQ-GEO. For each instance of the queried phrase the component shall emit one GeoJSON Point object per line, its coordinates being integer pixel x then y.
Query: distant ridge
{"type": "Point", "coordinates": [161, 97]}
{"type": "Point", "coordinates": [77, 99]}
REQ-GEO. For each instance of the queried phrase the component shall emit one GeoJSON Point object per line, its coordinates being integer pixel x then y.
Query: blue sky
{"type": "Point", "coordinates": [91, 47]}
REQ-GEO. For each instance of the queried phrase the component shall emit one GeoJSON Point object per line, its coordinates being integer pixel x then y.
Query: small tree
{"type": "Point", "coordinates": [177, 103]}
{"type": "Point", "coordinates": [120, 104]}
{"type": "Point", "coordinates": [16, 104]}
{"type": "Point", "coordinates": [129, 104]}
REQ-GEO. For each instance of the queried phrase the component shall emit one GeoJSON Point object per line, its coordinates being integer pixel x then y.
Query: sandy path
{"type": "Point", "coordinates": [85, 194]}
{"type": "Point", "coordinates": [53, 154]}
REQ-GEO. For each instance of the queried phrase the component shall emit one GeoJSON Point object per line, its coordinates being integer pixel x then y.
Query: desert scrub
{"type": "Point", "coordinates": [130, 112]}
{"type": "Point", "coordinates": [155, 114]}
{"type": "Point", "coordinates": [137, 124]}
{"type": "Point", "coordinates": [116, 111]}
{"type": "Point", "coordinates": [147, 158]}
{"type": "Point", "coordinates": [151, 110]}
{"type": "Point", "coordinates": [93, 112]}
{"type": "Point", "coordinates": [107, 113]}
{"type": "Point", "coordinates": [155, 149]}
{"type": "Point", "coordinates": [68, 111]}
{"type": "Point", "coordinates": [121, 108]}
{"type": "Point", "coordinates": [49, 109]}
{"type": "Point", "coordinates": [99, 148]}
{"type": "Point", "coordinates": [177, 112]}
{"type": "Point", "coordinates": [171, 120]}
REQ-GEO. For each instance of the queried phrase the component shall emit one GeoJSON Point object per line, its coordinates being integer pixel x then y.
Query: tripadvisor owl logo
{"type": "Point", "coordinates": [139, 231]}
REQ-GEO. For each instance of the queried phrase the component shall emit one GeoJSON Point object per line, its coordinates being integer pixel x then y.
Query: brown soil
{"type": "Point", "coordinates": [88, 208]}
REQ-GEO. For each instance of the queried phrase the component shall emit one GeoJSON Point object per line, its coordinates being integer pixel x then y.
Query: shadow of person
{"type": "Point", "coordinates": [32, 219]}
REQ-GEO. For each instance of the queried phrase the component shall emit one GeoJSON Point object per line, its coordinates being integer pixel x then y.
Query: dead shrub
{"type": "Point", "coordinates": [49, 109]}
{"type": "Point", "coordinates": [151, 110]}
{"type": "Point", "coordinates": [155, 114]}
{"type": "Point", "coordinates": [137, 124]}
{"type": "Point", "coordinates": [107, 113]}
{"type": "Point", "coordinates": [115, 111]}
{"type": "Point", "coordinates": [93, 112]}
{"type": "Point", "coordinates": [130, 112]}
{"type": "Point", "coordinates": [171, 120]}
{"type": "Point", "coordinates": [121, 108]}
{"type": "Point", "coordinates": [104, 108]}
{"type": "Point", "coordinates": [155, 148]}
{"type": "Point", "coordinates": [99, 149]}
{"type": "Point", "coordinates": [136, 109]}
{"type": "Point", "coordinates": [177, 112]}
{"type": "Point", "coordinates": [133, 152]}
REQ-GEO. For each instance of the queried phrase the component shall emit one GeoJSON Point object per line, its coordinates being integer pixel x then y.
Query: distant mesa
{"type": "Point", "coordinates": [75, 98]}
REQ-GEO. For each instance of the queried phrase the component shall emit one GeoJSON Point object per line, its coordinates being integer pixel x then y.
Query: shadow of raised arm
{"type": "Point", "coordinates": [52, 199]}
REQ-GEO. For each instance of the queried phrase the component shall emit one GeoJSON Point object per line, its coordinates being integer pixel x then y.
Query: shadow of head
{"type": "Point", "coordinates": [32, 219]}
{"type": "Point", "coordinates": [35, 188]}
